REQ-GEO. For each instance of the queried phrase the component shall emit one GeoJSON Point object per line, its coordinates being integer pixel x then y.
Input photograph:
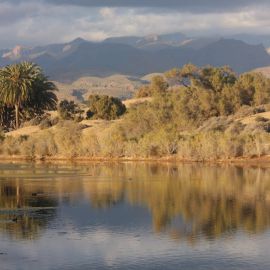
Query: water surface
{"type": "Point", "coordinates": [134, 216]}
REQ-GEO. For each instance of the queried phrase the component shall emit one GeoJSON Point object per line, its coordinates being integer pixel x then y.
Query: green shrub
{"type": "Point", "coordinates": [105, 107]}
{"type": "Point", "coordinates": [69, 110]}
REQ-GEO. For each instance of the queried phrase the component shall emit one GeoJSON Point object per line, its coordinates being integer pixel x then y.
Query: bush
{"type": "Point", "coordinates": [158, 86]}
{"type": "Point", "coordinates": [67, 138]}
{"type": "Point", "coordinates": [105, 107]}
{"type": "Point", "coordinates": [144, 91]}
{"type": "Point", "coordinates": [69, 110]}
{"type": "Point", "coordinates": [246, 111]}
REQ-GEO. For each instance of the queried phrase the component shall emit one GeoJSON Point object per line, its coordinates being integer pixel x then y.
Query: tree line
{"type": "Point", "coordinates": [26, 93]}
{"type": "Point", "coordinates": [192, 113]}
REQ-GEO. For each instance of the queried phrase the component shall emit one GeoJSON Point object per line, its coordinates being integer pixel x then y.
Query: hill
{"type": "Point", "coordinates": [119, 86]}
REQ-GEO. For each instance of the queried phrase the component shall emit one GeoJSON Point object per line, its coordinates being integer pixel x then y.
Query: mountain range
{"type": "Point", "coordinates": [138, 56]}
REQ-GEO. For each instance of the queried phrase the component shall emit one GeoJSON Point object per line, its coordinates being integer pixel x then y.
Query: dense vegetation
{"type": "Point", "coordinates": [193, 113]}
{"type": "Point", "coordinates": [69, 110]}
{"type": "Point", "coordinates": [105, 107]}
{"type": "Point", "coordinates": [25, 92]}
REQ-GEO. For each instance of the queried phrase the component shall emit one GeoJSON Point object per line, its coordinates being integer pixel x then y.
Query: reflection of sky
{"type": "Point", "coordinates": [122, 238]}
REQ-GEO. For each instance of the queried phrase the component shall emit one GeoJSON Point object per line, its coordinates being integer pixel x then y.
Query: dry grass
{"type": "Point", "coordinates": [26, 131]}
{"type": "Point", "coordinates": [252, 119]}
{"type": "Point", "coordinates": [136, 101]}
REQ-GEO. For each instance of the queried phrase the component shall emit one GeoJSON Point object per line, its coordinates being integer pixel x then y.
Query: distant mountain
{"type": "Point", "coordinates": [151, 42]}
{"type": "Point", "coordinates": [180, 39]}
{"type": "Point", "coordinates": [253, 39]}
{"type": "Point", "coordinates": [137, 56]}
{"type": "Point", "coordinates": [237, 54]}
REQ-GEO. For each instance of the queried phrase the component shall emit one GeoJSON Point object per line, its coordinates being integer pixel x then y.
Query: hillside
{"type": "Point", "coordinates": [119, 86]}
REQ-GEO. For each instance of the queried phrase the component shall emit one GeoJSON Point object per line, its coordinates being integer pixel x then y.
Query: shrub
{"type": "Point", "coordinates": [105, 107]}
{"type": "Point", "coordinates": [67, 137]}
{"type": "Point", "coordinates": [144, 91]}
{"type": "Point", "coordinates": [69, 110]}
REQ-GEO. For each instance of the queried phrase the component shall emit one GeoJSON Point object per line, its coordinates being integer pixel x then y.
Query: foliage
{"type": "Point", "coordinates": [105, 107]}
{"type": "Point", "coordinates": [69, 110]}
{"type": "Point", "coordinates": [158, 85]}
{"type": "Point", "coordinates": [6, 116]}
{"type": "Point", "coordinates": [194, 114]}
{"type": "Point", "coordinates": [25, 89]}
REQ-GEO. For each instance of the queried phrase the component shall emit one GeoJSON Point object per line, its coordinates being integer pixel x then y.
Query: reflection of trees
{"type": "Point", "coordinates": [23, 213]}
{"type": "Point", "coordinates": [185, 201]}
{"type": "Point", "coordinates": [105, 194]}
{"type": "Point", "coordinates": [192, 200]}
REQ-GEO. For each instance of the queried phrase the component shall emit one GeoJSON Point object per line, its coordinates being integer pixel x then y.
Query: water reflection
{"type": "Point", "coordinates": [24, 214]}
{"type": "Point", "coordinates": [185, 202]}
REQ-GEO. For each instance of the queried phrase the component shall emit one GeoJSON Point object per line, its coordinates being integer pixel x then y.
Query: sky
{"type": "Point", "coordinates": [37, 22]}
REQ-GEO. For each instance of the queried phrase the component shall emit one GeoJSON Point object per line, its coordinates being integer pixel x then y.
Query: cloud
{"type": "Point", "coordinates": [194, 6]}
{"type": "Point", "coordinates": [34, 22]}
{"type": "Point", "coordinates": [184, 5]}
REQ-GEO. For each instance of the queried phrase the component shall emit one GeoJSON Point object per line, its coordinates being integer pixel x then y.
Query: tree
{"type": "Point", "coordinates": [42, 96]}
{"type": "Point", "coordinates": [183, 76]}
{"type": "Point", "coordinates": [69, 110]}
{"type": "Point", "coordinates": [253, 89]}
{"type": "Point", "coordinates": [23, 85]}
{"type": "Point", "coordinates": [105, 107]}
{"type": "Point", "coordinates": [158, 86]}
{"type": "Point", "coordinates": [6, 116]}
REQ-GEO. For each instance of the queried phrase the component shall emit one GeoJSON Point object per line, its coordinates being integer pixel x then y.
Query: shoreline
{"type": "Point", "coordinates": [234, 161]}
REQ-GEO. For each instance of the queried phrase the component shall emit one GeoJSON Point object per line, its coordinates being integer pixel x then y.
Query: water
{"type": "Point", "coordinates": [134, 216]}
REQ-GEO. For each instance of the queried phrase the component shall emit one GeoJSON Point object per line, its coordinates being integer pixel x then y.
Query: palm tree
{"type": "Point", "coordinates": [16, 83]}
{"type": "Point", "coordinates": [42, 96]}
{"type": "Point", "coordinates": [24, 86]}
{"type": "Point", "coordinates": [6, 116]}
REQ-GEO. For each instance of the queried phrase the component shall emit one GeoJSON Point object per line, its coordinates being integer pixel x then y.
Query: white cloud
{"type": "Point", "coordinates": [103, 247]}
{"type": "Point", "coordinates": [107, 12]}
{"type": "Point", "coordinates": [38, 23]}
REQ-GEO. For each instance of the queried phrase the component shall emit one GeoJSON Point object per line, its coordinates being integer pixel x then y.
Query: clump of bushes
{"type": "Point", "coordinates": [105, 107]}
{"type": "Point", "coordinates": [69, 110]}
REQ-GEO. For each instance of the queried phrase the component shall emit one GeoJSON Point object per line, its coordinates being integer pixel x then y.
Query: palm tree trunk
{"type": "Point", "coordinates": [17, 115]}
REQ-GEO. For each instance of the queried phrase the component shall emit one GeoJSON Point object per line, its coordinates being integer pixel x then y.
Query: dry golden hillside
{"type": "Point", "coordinates": [120, 86]}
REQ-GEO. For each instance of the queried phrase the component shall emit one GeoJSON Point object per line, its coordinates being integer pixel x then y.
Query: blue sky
{"type": "Point", "coordinates": [34, 22]}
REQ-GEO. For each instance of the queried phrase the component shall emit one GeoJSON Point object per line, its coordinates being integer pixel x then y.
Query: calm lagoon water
{"type": "Point", "coordinates": [134, 216]}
